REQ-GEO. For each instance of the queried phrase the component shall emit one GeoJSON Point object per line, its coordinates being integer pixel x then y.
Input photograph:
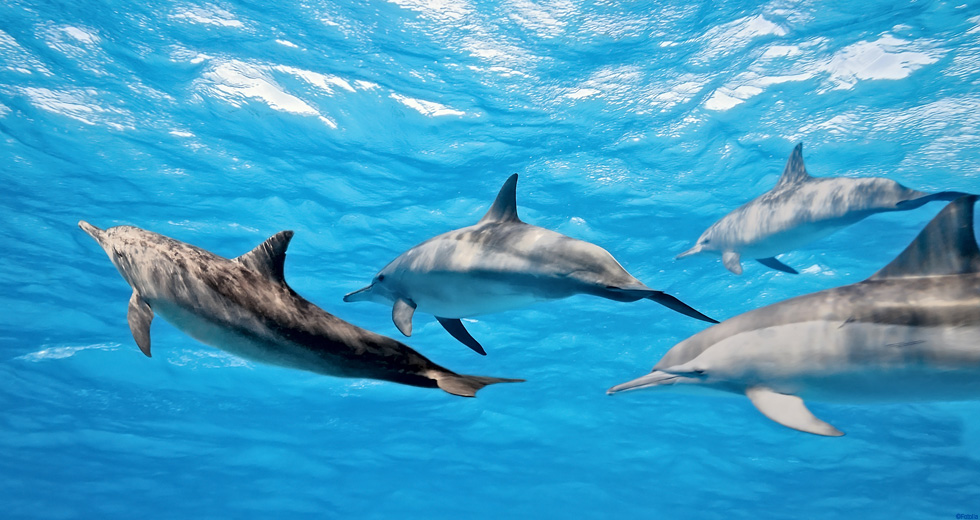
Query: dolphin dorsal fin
{"type": "Point", "coordinates": [795, 171]}
{"type": "Point", "coordinates": [945, 246]}
{"type": "Point", "coordinates": [268, 258]}
{"type": "Point", "coordinates": [504, 208]}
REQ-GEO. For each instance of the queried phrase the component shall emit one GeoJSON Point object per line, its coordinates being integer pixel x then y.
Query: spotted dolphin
{"type": "Point", "coordinates": [499, 264]}
{"type": "Point", "coordinates": [801, 209]}
{"type": "Point", "coordinates": [908, 333]}
{"type": "Point", "coordinates": [244, 306]}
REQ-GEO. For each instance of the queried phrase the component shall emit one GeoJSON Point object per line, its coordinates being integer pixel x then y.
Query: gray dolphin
{"type": "Point", "coordinates": [499, 264]}
{"type": "Point", "coordinates": [910, 332]}
{"type": "Point", "coordinates": [801, 209]}
{"type": "Point", "coordinates": [245, 307]}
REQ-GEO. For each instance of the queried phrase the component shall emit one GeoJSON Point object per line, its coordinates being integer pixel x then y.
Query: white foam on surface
{"type": "Point", "coordinates": [64, 352]}
{"type": "Point", "coordinates": [207, 15]}
{"type": "Point", "coordinates": [427, 108]}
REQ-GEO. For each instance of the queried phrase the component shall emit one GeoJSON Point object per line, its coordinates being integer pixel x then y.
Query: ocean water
{"type": "Point", "coordinates": [368, 127]}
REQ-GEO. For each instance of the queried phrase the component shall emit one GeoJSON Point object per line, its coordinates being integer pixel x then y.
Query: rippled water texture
{"type": "Point", "coordinates": [368, 127]}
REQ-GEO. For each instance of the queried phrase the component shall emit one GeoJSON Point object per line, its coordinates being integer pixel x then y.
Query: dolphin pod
{"type": "Point", "coordinates": [801, 209]}
{"type": "Point", "coordinates": [499, 264]}
{"type": "Point", "coordinates": [244, 306]}
{"type": "Point", "coordinates": [909, 332]}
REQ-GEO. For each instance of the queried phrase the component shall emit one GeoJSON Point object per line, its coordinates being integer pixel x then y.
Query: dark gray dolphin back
{"type": "Point", "coordinates": [946, 246]}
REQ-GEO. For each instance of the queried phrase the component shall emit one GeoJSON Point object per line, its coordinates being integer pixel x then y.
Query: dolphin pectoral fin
{"type": "Point", "coordinates": [772, 263]}
{"type": "Point", "coordinates": [732, 261]}
{"type": "Point", "coordinates": [140, 315]}
{"type": "Point", "coordinates": [789, 411]}
{"type": "Point", "coordinates": [455, 327]}
{"type": "Point", "coordinates": [674, 304]}
{"type": "Point", "coordinates": [402, 313]}
{"type": "Point", "coordinates": [927, 198]}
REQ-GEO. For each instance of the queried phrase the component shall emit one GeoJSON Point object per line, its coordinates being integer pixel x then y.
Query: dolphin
{"type": "Point", "coordinates": [801, 209]}
{"type": "Point", "coordinates": [908, 333]}
{"type": "Point", "coordinates": [500, 264]}
{"type": "Point", "coordinates": [244, 306]}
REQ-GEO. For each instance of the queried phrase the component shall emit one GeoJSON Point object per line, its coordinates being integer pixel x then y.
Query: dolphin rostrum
{"type": "Point", "coordinates": [801, 209]}
{"type": "Point", "coordinates": [245, 307]}
{"type": "Point", "coordinates": [499, 264]}
{"type": "Point", "coordinates": [908, 333]}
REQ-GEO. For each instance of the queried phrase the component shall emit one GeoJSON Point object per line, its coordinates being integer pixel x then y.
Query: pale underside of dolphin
{"type": "Point", "coordinates": [800, 210]}
{"type": "Point", "coordinates": [244, 306]}
{"type": "Point", "coordinates": [911, 332]}
{"type": "Point", "coordinates": [499, 264]}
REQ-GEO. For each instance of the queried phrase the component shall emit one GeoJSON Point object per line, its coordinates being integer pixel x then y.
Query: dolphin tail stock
{"type": "Point", "coordinates": [672, 303]}
{"type": "Point", "coordinates": [467, 386]}
{"type": "Point", "coordinates": [927, 198]}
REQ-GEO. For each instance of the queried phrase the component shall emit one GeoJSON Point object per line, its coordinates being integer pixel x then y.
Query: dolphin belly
{"type": "Point", "coordinates": [247, 339]}
{"type": "Point", "coordinates": [462, 295]}
{"type": "Point", "coordinates": [851, 362]}
{"type": "Point", "coordinates": [790, 239]}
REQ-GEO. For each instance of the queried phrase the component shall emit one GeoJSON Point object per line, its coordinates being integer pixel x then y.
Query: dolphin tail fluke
{"type": "Point", "coordinates": [467, 386]}
{"type": "Point", "coordinates": [927, 198]}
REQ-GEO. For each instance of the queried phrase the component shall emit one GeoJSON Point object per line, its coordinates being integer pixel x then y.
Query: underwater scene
{"type": "Point", "coordinates": [489, 259]}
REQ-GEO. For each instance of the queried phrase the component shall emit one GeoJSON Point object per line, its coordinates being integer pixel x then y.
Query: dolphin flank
{"type": "Point", "coordinates": [499, 264]}
{"type": "Point", "coordinates": [801, 209]}
{"type": "Point", "coordinates": [908, 333]}
{"type": "Point", "coordinates": [245, 307]}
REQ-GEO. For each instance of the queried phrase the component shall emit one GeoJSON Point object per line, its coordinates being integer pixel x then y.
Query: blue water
{"type": "Point", "coordinates": [368, 127]}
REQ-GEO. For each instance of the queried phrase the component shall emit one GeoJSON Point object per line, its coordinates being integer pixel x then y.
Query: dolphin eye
{"type": "Point", "coordinates": [381, 277]}
{"type": "Point", "coordinates": [705, 241]}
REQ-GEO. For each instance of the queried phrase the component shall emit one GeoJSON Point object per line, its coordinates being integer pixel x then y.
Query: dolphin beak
{"type": "Point", "coordinates": [359, 295]}
{"type": "Point", "coordinates": [92, 231]}
{"type": "Point", "coordinates": [693, 251]}
{"type": "Point", "coordinates": [655, 378]}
